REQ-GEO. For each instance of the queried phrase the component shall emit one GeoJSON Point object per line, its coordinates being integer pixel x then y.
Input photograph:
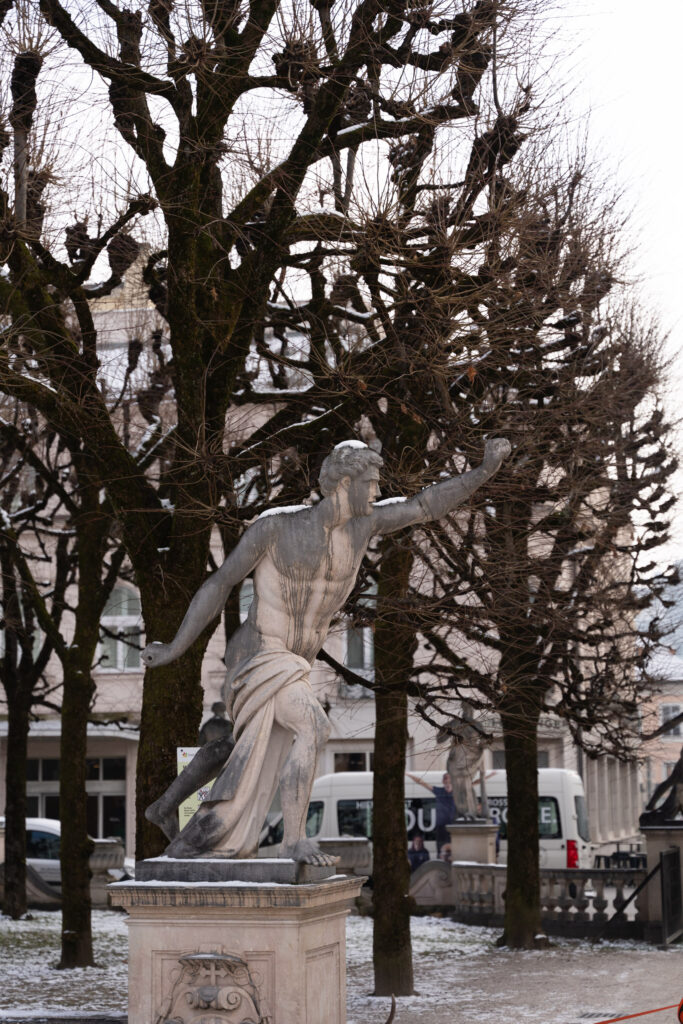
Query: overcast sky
{"type": "Point", "coordinates": [626, 65]}
{"type": "Point", "coordinates": [627, 60]}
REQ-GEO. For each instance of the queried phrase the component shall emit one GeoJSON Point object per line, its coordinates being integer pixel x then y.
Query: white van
{"type": "Point", "coordinates": [341, 806]}
{"type": "Point", "coordinates": [564, 836]}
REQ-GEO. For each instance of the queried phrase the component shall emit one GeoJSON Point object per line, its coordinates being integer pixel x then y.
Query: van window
{"type": "Point", "coordinates": [548, 818]}
{"type": "Point", "coordinates": [549, 824]}
{"type": "Point", "coordinates": [313, 822]}
{"type": "Point", "coordinates": [582, 826]}
{"type": "Point", "coordinates": [354, 818]}
{"type": "Point", "coordinates": [315, 818]}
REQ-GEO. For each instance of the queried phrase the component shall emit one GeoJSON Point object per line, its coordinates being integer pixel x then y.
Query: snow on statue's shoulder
{"type": "Point", "coordinates": [389, 501]}
{"type": "Point", "coordinates": [283, 511]}
{"type": "Point", "coordinates": [350, 444]}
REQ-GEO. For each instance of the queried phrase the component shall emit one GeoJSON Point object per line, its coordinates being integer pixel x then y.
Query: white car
{"type": "Point", "coordinates": [42, 851]}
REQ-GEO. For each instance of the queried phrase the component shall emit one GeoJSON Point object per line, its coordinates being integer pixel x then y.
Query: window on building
{"type": "Point", "coordinates": [498, 759]}
{"type": "Point", "coordinates": [121, 641]}
{"type": "Point", "coordinates": [360, 641]}
{"type": "Point", "coordinates": [353, 761]}
{"type": "Point", "coordinates": [246, 597]}
{"type": "Point", "coordinates": [669, 711]}
{"type": "Point", "coordinates": [105, 787]}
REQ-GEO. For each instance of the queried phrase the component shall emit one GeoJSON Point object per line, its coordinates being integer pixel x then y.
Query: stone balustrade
{"type": "Point", "coordinates": [576, 902]}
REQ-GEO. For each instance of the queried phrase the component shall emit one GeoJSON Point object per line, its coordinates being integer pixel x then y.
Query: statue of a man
{"type": "Point", "coordinates": [304, 562]}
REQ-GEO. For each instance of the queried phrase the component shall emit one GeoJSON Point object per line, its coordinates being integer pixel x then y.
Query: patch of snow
{"type": "Point", "coordinates": [350, 444]}
{"type": "Point", "coordinates": [389, 501]}
{"type": "Point", "coordinates": [147, 436]}
{"type": "Point", "coordinates": [285, 510]}
{"type": "Point", "coordinates": [40, 383]}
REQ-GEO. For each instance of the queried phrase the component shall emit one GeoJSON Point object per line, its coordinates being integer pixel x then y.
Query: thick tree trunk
{"type": "Point", "coordinates": [15, 808]}
{"type": "Point", "coordinates": [175, 687]}
{"type": "Point", "coordinates": [523, 892]}
{"type": "Point", "coordinates": [76, 845]}
{"type": "Point", "coordinates": [394, 649]}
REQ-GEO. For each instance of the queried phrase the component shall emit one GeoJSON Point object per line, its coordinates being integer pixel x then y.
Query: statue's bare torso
{"type": "Point", "coordinates": [301, 582]}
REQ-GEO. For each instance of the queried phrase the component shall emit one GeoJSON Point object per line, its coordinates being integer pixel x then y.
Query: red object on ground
{"type": "Point", "coordinates": [644, 1013]}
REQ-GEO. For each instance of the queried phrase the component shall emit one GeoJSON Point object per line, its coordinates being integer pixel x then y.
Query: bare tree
{"type": "Point", "coordinates": [26, 649]}
{"type": "Point", "coordinates": [59, 566]}
{"type": "Point", "coordinates": [533, 601]}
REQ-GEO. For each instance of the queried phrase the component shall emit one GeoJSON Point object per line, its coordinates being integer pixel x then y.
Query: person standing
{"type": "Point", "coordinates": [446, 811]}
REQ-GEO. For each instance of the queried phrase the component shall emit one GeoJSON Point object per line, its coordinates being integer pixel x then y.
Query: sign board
{"type": "Point", "coordinates": [189, 806]}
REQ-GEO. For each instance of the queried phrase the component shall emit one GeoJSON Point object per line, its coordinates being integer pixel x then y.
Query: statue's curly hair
{"type": "Point", "coordinates": [346, 460]}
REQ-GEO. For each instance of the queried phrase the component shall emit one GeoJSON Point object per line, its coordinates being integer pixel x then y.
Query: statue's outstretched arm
{"type": "Point", "coordinates": [209, 601]}
{"type": "Point", "coordinates": [438, 500]}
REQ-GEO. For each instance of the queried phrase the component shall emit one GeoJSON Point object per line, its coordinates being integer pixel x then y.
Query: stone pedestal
{"type": "Point", "coordinates": [658, 838]}
{"type": "Point", "coordinates": [237, 952]}
{"type": "Point", "coordinates": [473, 841]}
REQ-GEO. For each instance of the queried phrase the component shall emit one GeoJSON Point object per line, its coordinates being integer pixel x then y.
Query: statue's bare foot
{"type": "Point", "coordinates": [165, 819]}
{"type": "Point", "coordinates": [307, 851]}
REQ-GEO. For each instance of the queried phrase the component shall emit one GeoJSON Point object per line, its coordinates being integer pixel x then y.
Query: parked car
{"type": "Point", "coordinates": [43, 836]}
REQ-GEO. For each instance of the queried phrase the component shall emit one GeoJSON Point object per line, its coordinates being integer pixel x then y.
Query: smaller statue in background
{"type": "Point", "coordinates": [464, 762]}
{"type": "Point", "coordinates": [217, 728]}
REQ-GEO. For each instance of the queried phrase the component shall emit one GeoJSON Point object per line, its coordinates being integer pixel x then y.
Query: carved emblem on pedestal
{"type": "Point", "coordinates": [214, 988]}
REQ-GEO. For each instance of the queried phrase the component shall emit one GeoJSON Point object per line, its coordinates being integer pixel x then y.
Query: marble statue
{"type": "Point", "coordinates": [464, 761]}
{"type": "Point", "coordinates": [304, 562]}
{"type": "Point", "coordinates": [667, 812]}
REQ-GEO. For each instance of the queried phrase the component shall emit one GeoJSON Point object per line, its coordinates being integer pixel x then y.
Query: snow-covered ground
{"type": "Point", "coordinates": [460, 977]}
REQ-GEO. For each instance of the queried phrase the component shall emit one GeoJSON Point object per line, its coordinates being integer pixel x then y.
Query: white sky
{"type": "Point", "coordinates": [628, 72]}
{"type": "Point", "coordinates": [626, 68]}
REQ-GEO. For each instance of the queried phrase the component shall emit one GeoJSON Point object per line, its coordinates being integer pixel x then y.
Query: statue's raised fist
{"type": "Point", "coordinates": [495, 450]}
{"type": "Point", "coordinates": [156, 654]}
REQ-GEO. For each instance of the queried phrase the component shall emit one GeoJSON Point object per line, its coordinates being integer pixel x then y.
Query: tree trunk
{"type": "Point", "coordinates": [15, 808]}
{"type": "Point", "coordinates": [176, 686]}
{"type": "Point", "coordinates": [76, 845]}
{"type": "Point", "coordinates": [523, 888]}
{"type": "Point", "coordinates": [394, 648]}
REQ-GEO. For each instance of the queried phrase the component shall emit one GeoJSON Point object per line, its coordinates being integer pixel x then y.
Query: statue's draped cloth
{"type": "Point", "coordinates": [243, 792]}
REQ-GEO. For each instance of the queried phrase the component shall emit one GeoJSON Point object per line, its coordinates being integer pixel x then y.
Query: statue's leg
{"type": "Point", "coordinates": [203, 767]}
{"type": "Point", "coordinates": [297, 710]}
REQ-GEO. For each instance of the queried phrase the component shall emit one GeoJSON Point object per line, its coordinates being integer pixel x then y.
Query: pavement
{"type": "Point", "coordinates": [572, 983]}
